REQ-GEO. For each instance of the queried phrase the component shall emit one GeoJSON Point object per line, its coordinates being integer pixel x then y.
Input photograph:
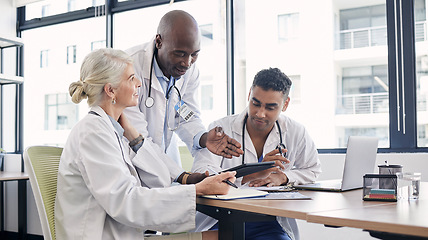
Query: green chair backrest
{"type": "Point", "coordinates": [42, 163]}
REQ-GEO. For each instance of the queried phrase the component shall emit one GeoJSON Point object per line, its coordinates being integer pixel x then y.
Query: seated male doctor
{"type": "Point", "coordinates": [265, 135]}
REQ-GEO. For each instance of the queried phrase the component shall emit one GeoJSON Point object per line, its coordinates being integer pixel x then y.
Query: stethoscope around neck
{"type": "Point", "coordinates": [150, 101]}
{"type": "Point", "coordinates": [280, 145]}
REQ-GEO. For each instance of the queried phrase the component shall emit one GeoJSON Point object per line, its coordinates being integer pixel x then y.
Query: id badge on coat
{"type": "Point", "coordinates": [185, 112]}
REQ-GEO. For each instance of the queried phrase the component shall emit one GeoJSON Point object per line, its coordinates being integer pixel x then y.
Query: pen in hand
{"type": "Point", "coordinates": [226, 180]}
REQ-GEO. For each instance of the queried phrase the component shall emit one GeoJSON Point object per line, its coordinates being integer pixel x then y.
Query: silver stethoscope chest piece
{"type": "Point", "coordinates": [150, 102]}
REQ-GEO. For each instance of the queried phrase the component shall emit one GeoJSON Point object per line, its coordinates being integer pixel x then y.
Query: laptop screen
{"type": "Point", "coordinates": [360, 159]}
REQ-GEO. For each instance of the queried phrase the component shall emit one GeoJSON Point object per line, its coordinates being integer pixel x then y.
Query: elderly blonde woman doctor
{"type": "Point", "coordinates": [100, 193]}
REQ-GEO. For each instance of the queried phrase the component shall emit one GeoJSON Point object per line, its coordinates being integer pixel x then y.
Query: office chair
{"type": "Point", "coordinates": [41, 163]}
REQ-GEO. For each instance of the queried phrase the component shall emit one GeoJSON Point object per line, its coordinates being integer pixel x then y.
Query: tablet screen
{"type": "Point", "coordinates": [249, 168]}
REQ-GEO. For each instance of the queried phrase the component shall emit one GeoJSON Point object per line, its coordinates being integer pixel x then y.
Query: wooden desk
{"type": "Point", "coordinates": [405, 217]}
{"type": "Point", "coordinates": [401, 217]}
{"type": "Point", "coordinates": [22, 201]}
{"type": "Point", "coordinates": [233, 214]}
{"type": "Point", "coordinates": [321, 201]}
{"type": "Point", "coordinates": [325, 207]}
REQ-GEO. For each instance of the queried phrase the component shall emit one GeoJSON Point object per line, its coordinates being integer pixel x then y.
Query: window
{"type": "Point", "coordinates": [207, 34]}
{"type": "Point", "coordinates": [420, 20]}
{"type": "Point", "coordinates": [364, 91]}
{"type": "Point", "coordinates": [98, 44]}
{"type": "Point", "coordinates": [370, 79]}
{"type": "Point", "coordinates": [71, 5]}
{"type": "Point", "coordinates": [45, 10]}
{"type": "Point", "coordinates": [98, 2]}
{"type": "Point", "coordinates": [379, 132]}
{"type": "Point", "coordinates": [71, 54]}
{"type": "Point", "coordinates": [206, 97]}
{"type": "Point", "coordinates": [52, 99]}
{"type": "Point", "coordinates": [61, 113]}
{"type": "Point", "coordinates": [295, 94]}
{"type": "Point", "coordinates": [288, 27]}
{"type": "Point", "coordinates": [363, 27]}
{"type": "Point", "coordinates": [44, 58]}
{"type": "Point", "coordinates": [421, 59]}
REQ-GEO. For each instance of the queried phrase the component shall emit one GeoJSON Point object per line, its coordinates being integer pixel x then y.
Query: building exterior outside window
{"type": "Point", "coordinates": [295, 92]}
{"type": "Point", "coordinates": [45, 10]}
{"type": "Point", "coordinates": [288, 27]}
{"type": "Point", "coordinates": [338, 50]}
{"type": "Point", "coordinates": [98, 2]}
{"type": "Point", "coordinates": [71, 5]}
{"type": "Point", "coordinates": [364, 90]}
{"type": "Point", "coordinates": [44, 58]}
{"type": "Point", "coordinates": [363, 27]}
{"type": "Point", "coordinates": [52, 112]}
{"type": "Point", "coordinates": [71, 54]}
{"type": "Point", "coordinates": [61, 113]}
{"type": "Point", "coordinates": [207, 97]}
{"type": "Point", "coordinates": [207, 34]}
{"type": "Point", "coordinates": [98, 44]}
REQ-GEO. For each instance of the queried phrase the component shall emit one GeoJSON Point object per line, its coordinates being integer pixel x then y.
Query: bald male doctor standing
{"type": "Point", "coordinates": [168, 103]}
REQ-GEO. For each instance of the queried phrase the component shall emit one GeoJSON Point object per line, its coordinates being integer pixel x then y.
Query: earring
{"type": "Point", "coordinates": [113, 101]}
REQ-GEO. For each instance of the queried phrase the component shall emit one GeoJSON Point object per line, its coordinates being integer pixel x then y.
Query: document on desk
{"type": "Point", "coordinates": [279, 193]}
{"type": "Point", "coordinates": [272, 189]}
{"type": "Point", "coordinates": [284, 196]}
{"type": "Point", "coordinates": [239, 193]}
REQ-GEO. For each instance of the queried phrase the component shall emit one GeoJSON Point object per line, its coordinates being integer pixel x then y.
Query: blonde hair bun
{"type": "Point", "coordinates": [76, 92]}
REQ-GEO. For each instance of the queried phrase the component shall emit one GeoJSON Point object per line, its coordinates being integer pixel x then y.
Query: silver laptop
{"type": "Point", "coordinates": [360, 159]}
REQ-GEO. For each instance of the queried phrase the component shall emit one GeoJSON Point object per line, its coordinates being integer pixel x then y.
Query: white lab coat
{"type": "Point", "coordinates": [100, 195]}
{"type": "Point", "coordinates": [304, 163]}
{"type": "Point", "coordinates": [155, 116]}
